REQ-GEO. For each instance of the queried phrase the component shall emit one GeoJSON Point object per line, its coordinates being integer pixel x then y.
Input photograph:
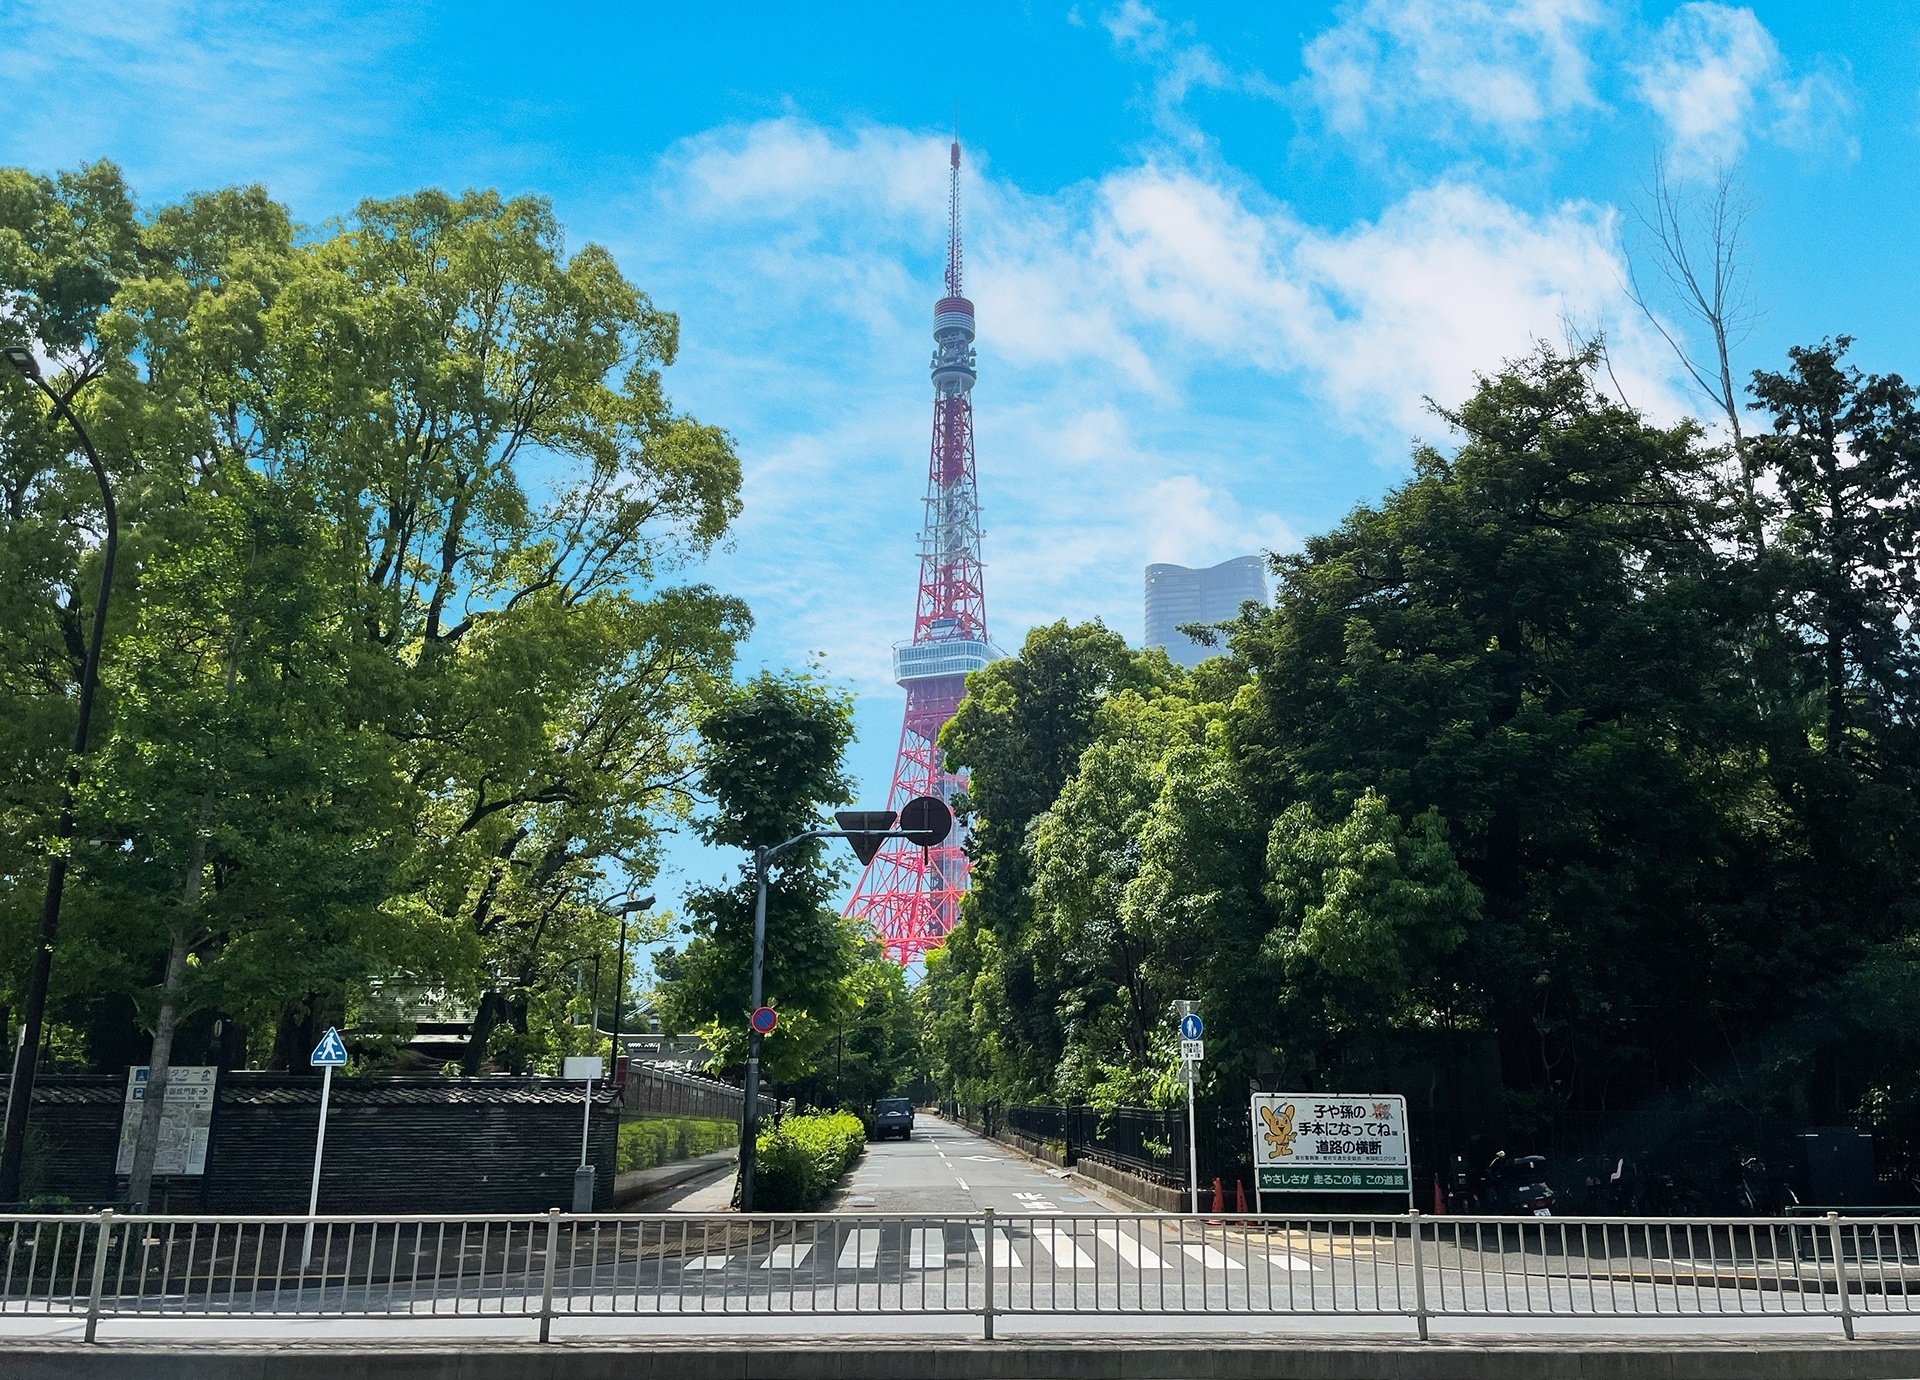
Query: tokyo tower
{"type": "Point", "coordinates": [910, 895]}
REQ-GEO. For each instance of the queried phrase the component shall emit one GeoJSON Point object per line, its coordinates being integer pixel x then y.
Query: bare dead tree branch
{"type": "Point", "coordinates": [1696, 253]}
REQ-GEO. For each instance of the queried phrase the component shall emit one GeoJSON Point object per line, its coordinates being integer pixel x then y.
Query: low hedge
{"type": "Point", "coordinates": [652, 1141]}
{"type": "Point", "coordinates": [800, 1159]}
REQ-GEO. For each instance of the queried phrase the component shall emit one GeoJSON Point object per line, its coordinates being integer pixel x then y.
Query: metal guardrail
{"type": "Point", "coordinates": [557, 1265]}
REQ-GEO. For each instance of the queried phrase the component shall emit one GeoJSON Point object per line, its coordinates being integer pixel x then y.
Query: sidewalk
{"type": "Point", "coordinates": [698, 1185]}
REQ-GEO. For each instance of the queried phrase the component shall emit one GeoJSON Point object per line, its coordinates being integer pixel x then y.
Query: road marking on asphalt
{"type": "Point", "coordinates": [963, 1184]}
{"type": "Point", "coordinates": [1059, 1243]}
{"type": "Point", "coordinates": [786, 1257]}
{"type": "Point", "coordinates": [927, 1249]}
{"type": "Point", "coordinates": [1213, 1258]}
{"type": "Point", "coordinates": [1036, 1202]}
{"type": "Point", "coordinates": [1130, 1250]}
{"type": "Point", "coordinates": [706, 1262]}
{"type": "Point", "coordinates": [1003, 1252]}
{"type": "Point", "coordinates": [1291, 1262]}
{"type": "Point", "coordinates": [862, 1249]}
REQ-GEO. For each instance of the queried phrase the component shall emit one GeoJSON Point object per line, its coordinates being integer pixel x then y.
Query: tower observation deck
{"type": "Point", "coordinates": [911, 896]}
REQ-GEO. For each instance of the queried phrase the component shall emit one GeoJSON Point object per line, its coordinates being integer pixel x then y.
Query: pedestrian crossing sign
{"type": "Point", "coordinates": [331, 1052]}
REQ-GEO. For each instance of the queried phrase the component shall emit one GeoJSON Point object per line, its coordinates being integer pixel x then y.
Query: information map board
{"type": "Point", "coordinates": [1331, 1143]}
{"type": "Point", "coordinates": [186, 1121]}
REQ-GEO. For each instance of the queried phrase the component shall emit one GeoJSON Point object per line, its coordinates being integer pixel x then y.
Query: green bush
{"type": "Point", "coordinates": [799, 1159]}
{"type": "Point", "coordinates": [653, 1141]}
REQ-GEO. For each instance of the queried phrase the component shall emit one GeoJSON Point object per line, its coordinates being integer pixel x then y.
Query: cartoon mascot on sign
{"type": "Point", "coordinates": [1279, 1133]}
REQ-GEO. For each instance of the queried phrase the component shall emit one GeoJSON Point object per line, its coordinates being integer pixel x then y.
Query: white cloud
{"type": "Point", "coordinates": [1440, 68]}
{"type": "Point", "coordinates": [1451, 281]}
{"type": "Point", "coordinates": [1716, 78]}
{"type": "Point", "coordinates": [1183, 65]}
{"type": "Point", "coordinates": [175, 88]}
{"type": "Point", "coordinates": [1153, 342]}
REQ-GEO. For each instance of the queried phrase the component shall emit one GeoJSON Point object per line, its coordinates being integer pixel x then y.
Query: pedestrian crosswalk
{"type": "Point", "coordinates": [1058, 1247]}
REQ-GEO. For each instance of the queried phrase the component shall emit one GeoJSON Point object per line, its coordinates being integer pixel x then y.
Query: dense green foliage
{"type": "Point", "coordinates": [658, 1140]}
{"type": "Point", "coordinates": [397, 671]}
{"type": "Point", "coordinates": [1543, 751]}
{"type": "Point", "coordinates": [799, 1160]}
{"type": "Point", "coordinates": [404, 670]}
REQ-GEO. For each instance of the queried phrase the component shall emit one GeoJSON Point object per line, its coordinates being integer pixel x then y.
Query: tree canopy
{"type": "Point", "coordinates": [1539, 751]}
{"type": "Point", "coordinates": [403, 669]}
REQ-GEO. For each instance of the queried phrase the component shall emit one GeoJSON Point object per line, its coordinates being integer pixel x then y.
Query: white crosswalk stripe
{"type": "Point", "coordinates": [1129, 1249]}
{"type": "Point", "coordinates": [1003, 1251]}
{"type": "Point", "coordinates": [927, 1249]}
{"type": "Point", "coordinates": [1059, 1243]}
{"type": "Point", "coordinates": [1290, 1262]}
{"type": "Point", "coordinates": [1213, 1258]}
{"type": "Point", "coordinates": [861, 1250]}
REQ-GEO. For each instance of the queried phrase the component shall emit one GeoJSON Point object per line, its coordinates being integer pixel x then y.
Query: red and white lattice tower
{"type": "Point", "coordinates": [910, 895]}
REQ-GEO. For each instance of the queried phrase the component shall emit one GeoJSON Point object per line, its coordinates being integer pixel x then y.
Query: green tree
{"type": "Point", "coordinates": [398, 672]}
{"type": "Point", "coordinates": [438, 348]}
{"type": "Point", "coordinates": [771, 764]}
{"type": "Point", "coordinates": [1371, 912]}
{"type": "Point", "coordinates": [1018, 735]}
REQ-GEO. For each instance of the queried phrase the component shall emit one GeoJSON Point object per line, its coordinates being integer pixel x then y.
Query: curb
{"type": "Point", "coordinates": [855, 1358]}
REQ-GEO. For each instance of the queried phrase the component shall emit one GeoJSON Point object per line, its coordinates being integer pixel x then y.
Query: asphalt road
{"type": "Point", "coordinates": [946, 1169]}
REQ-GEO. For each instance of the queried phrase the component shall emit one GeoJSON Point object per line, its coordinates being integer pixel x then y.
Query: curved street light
{"type": "Point", "coordinates": [26, 1056]}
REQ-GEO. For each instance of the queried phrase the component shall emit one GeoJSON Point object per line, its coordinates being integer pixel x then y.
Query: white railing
{"type": "Point", "coordinates": [989, 1265]}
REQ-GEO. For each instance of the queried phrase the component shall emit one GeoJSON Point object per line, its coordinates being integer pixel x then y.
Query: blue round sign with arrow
{"type": "Point", "coordinates": [1191, 1026]}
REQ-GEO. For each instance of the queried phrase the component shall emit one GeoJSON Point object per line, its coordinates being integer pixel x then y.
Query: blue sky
{"type": "Point", "coordinates": [1220, 253]}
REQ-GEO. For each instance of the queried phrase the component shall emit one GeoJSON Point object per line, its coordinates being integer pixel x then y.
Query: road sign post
{"type": "Point", "coordinates": [585, 1068]}
{"type": "Point", "coordinates": [328, 1055]}
{"type": "Point", "coordinates": [1192, 1050]}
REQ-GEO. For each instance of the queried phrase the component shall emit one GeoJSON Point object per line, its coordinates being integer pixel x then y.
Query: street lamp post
{"type": "Point", "coordinates": [928, 822]}
{"type": "Point", "coordinates": [39, 976]}
{"type": "Point", "coordinates": [620, 982]}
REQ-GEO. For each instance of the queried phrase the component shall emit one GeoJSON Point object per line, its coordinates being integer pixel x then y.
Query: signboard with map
{"type": "Point", "coordinates": [186, 1122]}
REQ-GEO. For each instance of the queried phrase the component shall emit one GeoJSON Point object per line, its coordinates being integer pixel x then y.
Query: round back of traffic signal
{"type": "Point", "coordinates": [926, 820]}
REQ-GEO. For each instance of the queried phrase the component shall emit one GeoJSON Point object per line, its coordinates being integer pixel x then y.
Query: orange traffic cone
{"type": "Point", "coordinates": [1219, 1197]}
{"type": "Point", "coordinates": [1240, 1197]}
{"type": "Point", "coordinates": [1439, 1198]}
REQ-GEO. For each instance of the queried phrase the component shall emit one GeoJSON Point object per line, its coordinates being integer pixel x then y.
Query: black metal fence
{"type": "Point", "coordinates": [1147, 1142]}
{"type": "Point", "coordinates": [1659, 1162]}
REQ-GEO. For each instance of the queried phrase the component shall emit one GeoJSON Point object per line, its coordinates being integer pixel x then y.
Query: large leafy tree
{"type": "Point", "coordinates": [483, 416]}
{"type": "Point", "coordinates": [398, 675]}
{"type": "Point", "coordinates": [1018, 734]}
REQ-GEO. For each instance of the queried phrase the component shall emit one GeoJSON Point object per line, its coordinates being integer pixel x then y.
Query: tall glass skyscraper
{"type": "Point", "coordinates": [1177, 595]}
